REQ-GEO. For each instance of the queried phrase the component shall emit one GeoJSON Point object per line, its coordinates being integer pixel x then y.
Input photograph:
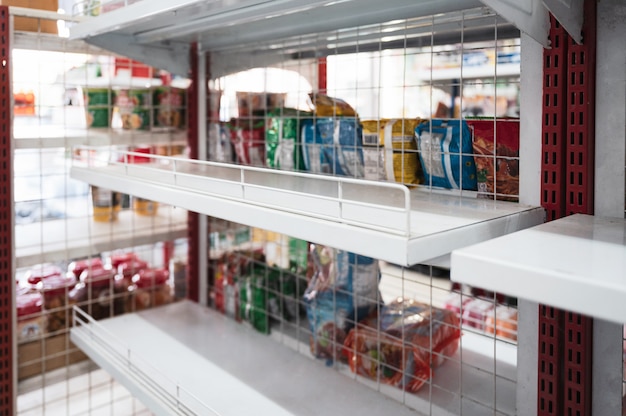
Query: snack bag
{"type": "Point", "coordinates": [282, 138]}
{"type": "Point", "coordinates": [445, 149]}
{"type": "Point", "coordinates": [247, 137]}
{"type": "Point", "coordinates": [343, 289]}
{"type": "Point", "coordinates": [402, 163]}
{"type": "Point", "coordinates": [334, 146]}
{"type": "Point", "coordinates": [326, 106]}
{"type": "Point", "coordinates": [373, 153]}
{"type": "Point", "coordinates": [403, 344]}
{"type": "Point", "coordinates": [496, 153]}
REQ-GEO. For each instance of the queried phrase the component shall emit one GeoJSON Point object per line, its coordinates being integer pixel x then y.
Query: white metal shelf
{"type": "Point", "coordinates": [45, 136]}
{"type": "Point", "coordinates": [63, 239]}
{"type": "Point", "coordinates": [577, 263]}
{"type": "Point", "coordinates": [378, 219]}
{"type": "Point", "coordinates": [201, 353]}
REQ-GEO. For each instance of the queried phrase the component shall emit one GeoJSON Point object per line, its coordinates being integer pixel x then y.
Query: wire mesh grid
{"type": "Point", "coordinates": [107, 253]}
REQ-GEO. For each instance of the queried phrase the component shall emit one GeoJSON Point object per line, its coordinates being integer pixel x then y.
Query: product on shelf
{"type": "Point", "coordinates": [34, 24]}
{"type": "Point", "coordinates": [373, 153]}
{"type": "Point", "coordinates": [133, 107]}
{"type": "Point", "coordinates": [150, 288]}
{"type": "Point", "coordinates": [220, 148]}
{"type": "Point", "coordinates": [503, 322]}
{"type": "Point", "coordinates": [343, 288]}
{"type": "Point", "coordinates": [401, 159]}
{"type": "Point", "coordinates": [252, 298]}
{"type": "Point", "coordinates": [124, 282]}
{"type": "Point", "coordinates": [326, 106]}
{"type": "Point", "coordinates": [77, 267]}
{"type": "Point", "coordinates": [179, 274]}
{"type": "Point", "coordinates": [95, 293]}
{"type": "Point", "coordinates": [31, 322]}
{"type": "Point", "coordinates": [248, 139]}
{"type": "Point", "coordinates": [333, 146]}
{"type": "Point", "coordinates": [142, 206]}
{"type": "Point", "coordinates": [496, 154]}
{"type": "Point", "coordinates": [106, 204]}
{"type": "Point", "coordinates": [54, 286]}
{"type": "Point", "coordinates": [445, 150]}
{"type": "Point", "coordinates": [476, 312]}
{"type": "Point", "coordinates": [282, 138]}
{"type": "Point", "coordinates": [98, 106]}
{"type": "Point", "coordinates": [117, 258]}
{"type": "Point", "coordinates": [169, 107]}
{"type": "Point", "coordinates": [403, 345]}
{"type": "Point", "coordinates": [250, 103]}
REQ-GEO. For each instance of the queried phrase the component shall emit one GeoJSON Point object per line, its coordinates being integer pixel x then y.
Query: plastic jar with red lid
{"type": "Point", "coordinates": [117, 258]}
{"type": "Point", "coordinates": [31, 322]}
{"type": "Point", "coordinates": [77, 267]}
{"type": "Point", "coordinates": [95, 293]}
{"type": "Point", "coordinates": [124, 280]}
{"type": "Point", "coordinates": [54, 286]}
{"type": "Point", "coordinates": [150, 288]}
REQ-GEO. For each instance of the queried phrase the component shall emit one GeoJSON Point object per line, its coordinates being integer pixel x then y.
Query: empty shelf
{"type": "Point", "coordinates": [377, 219]}
{"type": "Point", "coordinates": [577, 263]}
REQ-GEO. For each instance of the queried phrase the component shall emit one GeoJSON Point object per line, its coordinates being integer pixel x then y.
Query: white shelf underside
{"type": "Point", "coordinates": [236, 370]}
{"type": "Point", "coordinates": [370, 219]}
{"type": "Point", "coordinates": [578, 263]}
{"type": "Point", "coordinates": [57, 240]}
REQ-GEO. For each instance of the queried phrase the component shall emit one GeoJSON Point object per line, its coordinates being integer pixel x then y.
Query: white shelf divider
{"type": "Point", "coordinates": [577, 263]}
{"type": "Point", "coordinates": [378, 219]}
{"type": "Point", "coordinates": [184, 357]}
{"type": "Point", "coordinates": [56, 240]}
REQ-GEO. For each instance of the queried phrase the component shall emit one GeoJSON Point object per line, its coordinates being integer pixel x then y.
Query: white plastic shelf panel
{"type": "Point", "coordinates": [378, 219]}
{"type": "Point", "coordinates": [45, 136]}
{"type": "Point", "coordinates": [184, 353]}
{"type": "Point", "coordinates": [56, 240]}
{"type": "Point", "coordinates": [577, 263]}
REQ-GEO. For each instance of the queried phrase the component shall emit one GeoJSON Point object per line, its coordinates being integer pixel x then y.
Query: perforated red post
{"type": "Point", "coordinates": [7, 279]}
{"type": "Point", "coordinates": [565, 338]}
{"type": "Point", "coordinates": [193, 221]}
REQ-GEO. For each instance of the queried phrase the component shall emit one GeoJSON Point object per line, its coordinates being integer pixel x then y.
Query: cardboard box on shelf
{"type": "Point", "coordinates": [36, 357]}
{"type": "Point", "coordinates": [30, 24]}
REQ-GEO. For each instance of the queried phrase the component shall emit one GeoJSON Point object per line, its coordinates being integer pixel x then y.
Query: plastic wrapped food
{"type": "Point", "coordinates": [476, 311]}
{"type": "Point", "coordinates": [54, 286]}
{"type": "Point", "coordinates": [404, 344]}
{"type": "Point", "coordinates": [150, 288]}
{"type": "Point", "coordinates": [333, 146]}
{"type": "Point", "coordinates": [77, 267]}
{"type": "Point", "coordinates": [248, 139]}
{"type": "Point", "coordinates": [445, 149]}
{"type": "Point", "coordinates": [496, 153]}
{"type": "Point", "coordinates": [282, 138]}
{"type": "Point", "coordinates": [503, 322]}
{"type": "Point", "coordinates": [342, 290]}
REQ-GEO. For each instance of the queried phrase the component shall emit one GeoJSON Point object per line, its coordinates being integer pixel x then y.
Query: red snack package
{"type": "Point", "coordinates": [412, 338]}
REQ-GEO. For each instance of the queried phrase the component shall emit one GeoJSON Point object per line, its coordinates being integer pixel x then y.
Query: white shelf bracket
{"type": "Point", "coordinates": [172, 58]}
{"type": "Point", "coordinates": [570, 15]}
{"type": "Point", "coordinates": [529, 16]}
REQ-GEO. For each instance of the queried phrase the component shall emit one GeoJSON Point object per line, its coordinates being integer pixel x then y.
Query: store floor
{"type": "Point", "coordinates": [82, 390]}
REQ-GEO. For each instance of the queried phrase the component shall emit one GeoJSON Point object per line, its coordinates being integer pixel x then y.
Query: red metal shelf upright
{"type": "Point", "coordinates": [7, 279]}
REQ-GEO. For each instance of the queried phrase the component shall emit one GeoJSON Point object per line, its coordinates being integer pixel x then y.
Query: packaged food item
{"type": "Point", "coordinates": [31, 322]}
{"type": "Point", "coordinates": [95, 293]}
{"type": "Point", "coordinates": [248, 139]}
{"type": "Point", "coordinates": [169, 106]}
{"type": "Point", "coordinates": [98, 106]}
{"type": "Point", "coordinates": [373, 153]}
{"type": "Point", "coordinates": [142, 206]}
{"type": "Point", "coordinates": [124, 281]}
{"type": "Point", "coordinates": [133, 107]}
{"type": "Point", "coordinates": [503, 322]}
{"type": "Point", "coordinates": [257, 103]}
{"type": "Point", "coordinates": [445, 150]}
{"type": "Point", "coordinates": [496, 153]}
{"type": "Point", "coordinates": [326, 106]}
{"type": "Point", "coordinates": [77, 267]}
{"type": "Point", "coordinates": [150, 288]}
{"type": "Point", "coordinates": [119, 257]}
{"type": "Point", "coordinates": [253, 299]}
{"type": "Point", "coordinates": [476, 311]}
{"type": "Point", "coordinates": [282, 138]}
{"type": "Point", "coordinates": [54, 287]}
{"type": "Point", "coordinates": [220, 147]}
{"type": "Point", "coordinates": [401, 158]}
{"type": "Point", "coordinates": [106, 204]}
{"type": "Point", "coordinates": [342, 289]}
{"type": "Point", "coordinates": [403, 345]}
{"type": "Point", "coordinates": [333, 146]}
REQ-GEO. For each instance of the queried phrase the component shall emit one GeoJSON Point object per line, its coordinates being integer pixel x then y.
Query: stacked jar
{"type": "Point", "coordinates": [95, 293]}
{"type": "Point", "coordinates": [31, 322]}
{"type": "Point", "coordinates": [77, 267]}
{"type": "Point", "coordinates": [54, 287]}
{"type": "Point", "coordinates": [150, 288]}
{"type": "Point", "coordinates": [124, 280]}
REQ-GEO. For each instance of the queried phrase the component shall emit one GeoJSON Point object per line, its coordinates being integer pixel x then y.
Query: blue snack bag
{"type": "Point", "coordinates": [445, 150]}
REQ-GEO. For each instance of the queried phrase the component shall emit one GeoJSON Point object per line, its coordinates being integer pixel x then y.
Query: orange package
{"type": "Point", "coordinates": [413, 339]}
